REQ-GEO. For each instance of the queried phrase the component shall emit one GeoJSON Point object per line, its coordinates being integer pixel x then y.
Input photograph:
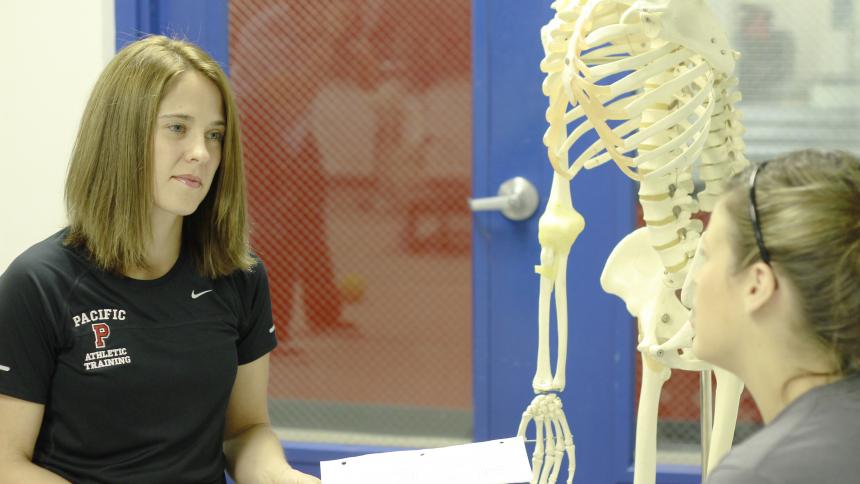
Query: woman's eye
{"type": "Point", "coordinates": [215, 136]}
{"type": "Point", "coordinates": [176, 128]}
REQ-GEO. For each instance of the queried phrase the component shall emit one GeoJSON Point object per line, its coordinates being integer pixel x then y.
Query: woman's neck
{"type": "Point", "coordinates": [774, 382]}
{"type": "Point", "coordinates": [772, 396]}
{"type": "Point", "coordinates": [162, 249]}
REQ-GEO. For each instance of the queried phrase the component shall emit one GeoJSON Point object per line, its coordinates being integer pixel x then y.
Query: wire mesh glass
{"type": "Point", "coordinates": [356, 120]}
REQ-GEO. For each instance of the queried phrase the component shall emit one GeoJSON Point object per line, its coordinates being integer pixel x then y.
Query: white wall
{"type": "Point", "coordinates": [51, 52]}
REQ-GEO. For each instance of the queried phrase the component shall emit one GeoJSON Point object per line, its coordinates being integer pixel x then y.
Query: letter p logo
{"type": "Point", "coordinates": [102, 332]}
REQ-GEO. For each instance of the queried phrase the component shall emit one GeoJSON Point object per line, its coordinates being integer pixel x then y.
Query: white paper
{"type": "Point", "coordinates": [493, 462]}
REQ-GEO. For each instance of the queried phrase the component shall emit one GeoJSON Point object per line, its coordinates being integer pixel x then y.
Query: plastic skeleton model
{"type": "Point", "coordinates": [654, 78]}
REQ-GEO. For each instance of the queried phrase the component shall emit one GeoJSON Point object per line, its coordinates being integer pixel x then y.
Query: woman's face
{"type": "Point", "coordinates": [717, 311]}
{"type": "Point", "coordinates": [189, 130]}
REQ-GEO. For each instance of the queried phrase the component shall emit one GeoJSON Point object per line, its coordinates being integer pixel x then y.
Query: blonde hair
{"type": "Point", "coordinates": [109, 185]}
{"type": "Point", "coordinates": [809, 213]}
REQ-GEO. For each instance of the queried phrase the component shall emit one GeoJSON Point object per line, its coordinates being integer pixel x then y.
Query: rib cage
{"type": "Point", "coordinates": [606, 73]}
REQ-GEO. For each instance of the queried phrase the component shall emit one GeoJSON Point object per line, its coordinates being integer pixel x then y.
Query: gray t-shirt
{"type": "Point", "coordinates": [814, 440]}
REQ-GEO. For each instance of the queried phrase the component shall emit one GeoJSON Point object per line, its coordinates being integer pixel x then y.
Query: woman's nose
{"type": "Point", "coordinates": [198, 152]}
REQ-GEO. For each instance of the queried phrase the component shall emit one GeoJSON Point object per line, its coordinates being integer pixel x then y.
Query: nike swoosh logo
{"type": "Point", "coordinates": [272, 329]}
{"type": "Point", "coordinates": [5, 368]}
{"type": "Point", "coordinates": [195, 295]}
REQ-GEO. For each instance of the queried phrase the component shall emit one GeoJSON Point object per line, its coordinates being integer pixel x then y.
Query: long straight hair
{"type": "Point", "coordinates": [109, 187]}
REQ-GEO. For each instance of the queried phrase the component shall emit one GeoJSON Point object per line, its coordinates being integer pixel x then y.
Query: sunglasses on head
{"type": "Point", "coordinates": [759, 239]}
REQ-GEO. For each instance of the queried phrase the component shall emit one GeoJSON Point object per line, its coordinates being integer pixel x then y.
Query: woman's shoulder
{"type": "Point", "coordinates": [255, 271]}
{"type": "Point", "coordinates": [249, 279]}
{"type": "Point", "coordinates": [47, 260]}
{"type": "Point", "coordinates": [245, 288]}
{"type": "Point", "coordinates": [816, 439]}
{"type": "Point", "coordinates": [44, 274]}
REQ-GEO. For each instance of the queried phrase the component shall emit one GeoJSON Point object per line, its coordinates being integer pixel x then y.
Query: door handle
{"type": "Point", "coordinates": [517, 199]}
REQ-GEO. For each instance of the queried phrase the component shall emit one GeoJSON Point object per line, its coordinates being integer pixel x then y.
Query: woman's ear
{"type": "Point", "coordinates": [759, 284]}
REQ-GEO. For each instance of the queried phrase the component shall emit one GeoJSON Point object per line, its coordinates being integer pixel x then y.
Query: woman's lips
{"type": "Point", "coordinates": [189, 180]}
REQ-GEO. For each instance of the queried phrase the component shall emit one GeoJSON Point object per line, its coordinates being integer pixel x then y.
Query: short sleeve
{"type": "Point", "coordinates": [256, 330]}
{"type": "Point", "coordinates": [28, 339]}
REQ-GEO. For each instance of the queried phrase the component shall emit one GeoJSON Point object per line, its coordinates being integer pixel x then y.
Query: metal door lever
{"type": "Point", "coordinates": [517, 199]}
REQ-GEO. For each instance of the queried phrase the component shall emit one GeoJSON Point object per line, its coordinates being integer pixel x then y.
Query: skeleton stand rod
{"type": "Point", "coordinates": [706, 418]}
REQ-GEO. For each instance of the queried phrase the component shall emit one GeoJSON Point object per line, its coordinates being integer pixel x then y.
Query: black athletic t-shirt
{"type": "Point", "coordinates": [134, 375]}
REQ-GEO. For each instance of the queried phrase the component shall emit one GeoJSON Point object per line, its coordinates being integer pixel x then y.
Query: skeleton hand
{"type": "Point", "coordinates": [552, 439]}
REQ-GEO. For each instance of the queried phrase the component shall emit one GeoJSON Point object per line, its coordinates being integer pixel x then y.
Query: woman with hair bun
{"type": "Point", "coordinates": [778, 304]}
